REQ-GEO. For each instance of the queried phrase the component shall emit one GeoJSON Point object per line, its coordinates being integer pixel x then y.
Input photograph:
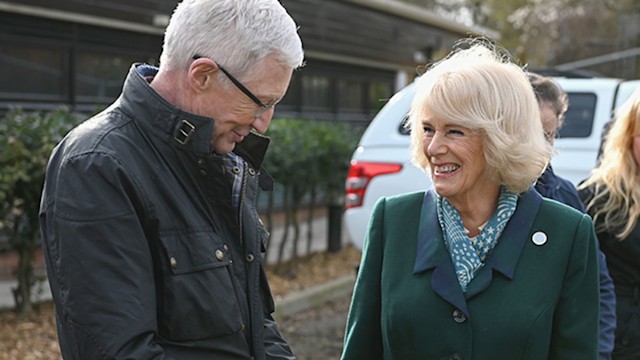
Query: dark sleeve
{"type": "Point", "coordinates": [99, 261]}
{"type": "Point", "coordinates": [363, 335]}
{"type": "Point", "coordinates": [274, 345]}
{"type": "Point", "coordinates": [607, 309]}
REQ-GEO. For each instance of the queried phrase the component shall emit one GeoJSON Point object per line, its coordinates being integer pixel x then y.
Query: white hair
{"type": "Point", "coordinates": [237, 34]}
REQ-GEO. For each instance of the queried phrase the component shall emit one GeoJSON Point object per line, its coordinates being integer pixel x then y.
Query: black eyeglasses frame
{"type": "Point", "coordinates": [238, 84]}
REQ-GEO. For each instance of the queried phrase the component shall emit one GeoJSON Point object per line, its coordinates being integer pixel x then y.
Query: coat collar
{"type": "Point", "coordinates": [432, 253]}
{"type": "Point", "coordinates": [548, 182]}
{"type": "Point", "coordinates": [182, 129]}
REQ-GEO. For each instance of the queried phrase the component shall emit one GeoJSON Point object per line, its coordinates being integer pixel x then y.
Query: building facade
{"type": "Point", "coordinates": [77, 52]}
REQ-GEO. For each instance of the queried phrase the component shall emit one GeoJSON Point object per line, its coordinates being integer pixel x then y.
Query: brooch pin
{"type": "Point", "coordinates": [539, 238]}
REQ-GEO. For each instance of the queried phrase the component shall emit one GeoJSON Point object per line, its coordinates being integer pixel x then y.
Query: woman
{"type": "Point", "coordinates": [480, 266]}
{"type": "Point", "coordinates": [554, 102]}
{"type": "Point", "coordinates": [612, 197]}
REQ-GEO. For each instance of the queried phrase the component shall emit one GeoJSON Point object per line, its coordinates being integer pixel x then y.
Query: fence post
{"type": "Point", "coordinates": [334, 233]}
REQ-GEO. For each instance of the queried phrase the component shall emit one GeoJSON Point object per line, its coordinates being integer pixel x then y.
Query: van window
{"type": "Point", "coordinates": [403, 129]}
{"type": "Point", "coordinates": [578, 121]}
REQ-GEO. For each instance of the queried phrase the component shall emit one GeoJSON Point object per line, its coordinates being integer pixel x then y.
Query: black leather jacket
{"type": "Point", "coordinates": [146, 256]}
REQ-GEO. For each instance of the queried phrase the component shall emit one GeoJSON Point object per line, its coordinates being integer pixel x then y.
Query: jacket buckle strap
{"type": "Point", "coordinates": [185, 130]}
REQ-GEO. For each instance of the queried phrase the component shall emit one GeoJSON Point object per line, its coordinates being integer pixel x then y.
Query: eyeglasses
{"type": "Point", "coordinates": [262, 107]}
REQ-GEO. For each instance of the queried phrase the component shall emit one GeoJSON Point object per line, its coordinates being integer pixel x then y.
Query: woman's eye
{"type": "Point", "coordinates": [456, 132]}
{"type": "Point", "coordinates": [428, 130]}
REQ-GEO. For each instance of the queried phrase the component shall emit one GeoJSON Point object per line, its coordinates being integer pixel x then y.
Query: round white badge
{"type": "Point", "coordinates": [539, 238]}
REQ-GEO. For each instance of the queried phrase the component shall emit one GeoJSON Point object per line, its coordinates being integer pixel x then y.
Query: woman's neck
{"type": "Point", "coordinates": [476, 211]}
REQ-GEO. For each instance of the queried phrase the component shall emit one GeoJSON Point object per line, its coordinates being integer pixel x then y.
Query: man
{"type": "Point", "coordinates": [553, 105]}
{"type": "Point", "coordinates": [148, 215]}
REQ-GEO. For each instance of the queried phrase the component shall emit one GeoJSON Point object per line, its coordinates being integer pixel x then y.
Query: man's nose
{"type": "Point", "coordinates": [261, 122]}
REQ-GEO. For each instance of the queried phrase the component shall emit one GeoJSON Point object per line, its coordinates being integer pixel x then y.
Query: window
{"type": "Point", "coordinates": [403, 128]}
{"type": "Point", "coordinates": [350, 96]}
{"type": "Point", "coordinates": [579, 117]}
{"type": "Point", "coordinates": [100, 75]}
{"type": "Point", "coordinates": [31, 72]}
{"type": "Point", "coordinates": [315, 93]}
{"type": "Point", "coordinates": [291, 100]}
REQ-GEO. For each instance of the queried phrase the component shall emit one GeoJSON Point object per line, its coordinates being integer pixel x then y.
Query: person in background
{"type": "Point", "coordinates": [553, 105]}
{"type": "Point", "coordinates": [480, 266]}
{"type": "Point", "coordinates": [150, 229]}
{"type": "Point", "coordinates": [612, 197]}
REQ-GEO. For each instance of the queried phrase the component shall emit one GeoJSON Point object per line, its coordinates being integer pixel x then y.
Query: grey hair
{"type": "Point", "coordinates": [237, 34]}
{"type": "Point", "coordinates": [478, 89]}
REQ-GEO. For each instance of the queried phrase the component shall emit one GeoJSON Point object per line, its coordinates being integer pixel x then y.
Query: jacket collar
{"type": "Point", "coordinates": [547, 181]}
{"type": "Point", "coordinates": [182, 129]}
{"type": "Point", "coordinates": [432, 253]}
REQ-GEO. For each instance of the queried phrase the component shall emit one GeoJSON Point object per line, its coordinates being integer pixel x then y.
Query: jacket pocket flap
{"type": "Point", "coordinates": [194, 251]}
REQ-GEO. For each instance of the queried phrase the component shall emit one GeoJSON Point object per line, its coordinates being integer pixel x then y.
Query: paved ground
{"type": "Point", "coordinates": [317, 333]}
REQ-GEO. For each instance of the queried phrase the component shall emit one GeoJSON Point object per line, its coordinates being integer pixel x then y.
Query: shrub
{"type": "Point", "coordinates": [26, 141]}
{"type": "Point", "coordinates": [309, 161]}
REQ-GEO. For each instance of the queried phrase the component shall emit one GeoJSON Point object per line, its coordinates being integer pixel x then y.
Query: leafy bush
{"type": "Point", "coordinates": [308, 160]}
{"type": "Point", "coordinates": [26, 141]}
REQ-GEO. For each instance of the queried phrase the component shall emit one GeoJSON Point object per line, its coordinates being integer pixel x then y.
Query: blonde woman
{"type": "Point", "coordinates": [480, 267]}
{"type": "Point", "coordinates": [612, 197]}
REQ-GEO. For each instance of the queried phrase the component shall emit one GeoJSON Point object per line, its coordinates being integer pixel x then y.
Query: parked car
{"type": "Point", "coordinates": [381, 165]}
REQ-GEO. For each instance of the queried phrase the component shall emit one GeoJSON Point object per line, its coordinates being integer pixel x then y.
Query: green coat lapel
{"type": "Point", "coordinates": [432, 253]}
{"type": "Point", "coordinates": [504, 257]}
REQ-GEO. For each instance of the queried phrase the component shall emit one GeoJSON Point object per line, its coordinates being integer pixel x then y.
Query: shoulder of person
{"type": "Point", "coordinates": [395, 204]}
{"type": "Point", "coordinates": [96, 135]}
{"type": "Point", "coordinates": [555, 209]}
{"type": "Point", "coordinates": [405, 199]}
{"type": "Point", "coordinates": [567, 193]}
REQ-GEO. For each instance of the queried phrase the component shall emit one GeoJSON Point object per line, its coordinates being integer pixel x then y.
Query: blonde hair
{"type": "Point", "coordinates": [616, 195]}
{"type": "Point", "coordinates": [478, 89]}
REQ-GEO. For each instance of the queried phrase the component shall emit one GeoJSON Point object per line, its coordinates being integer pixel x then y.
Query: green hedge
{"type": "Point", "coordinates": [309, 160]}
{"type": "Point", "coordinates": [26, 141]}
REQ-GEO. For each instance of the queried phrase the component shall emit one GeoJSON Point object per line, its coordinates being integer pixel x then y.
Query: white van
{"type": "Point", "coordinates": [381, 165]}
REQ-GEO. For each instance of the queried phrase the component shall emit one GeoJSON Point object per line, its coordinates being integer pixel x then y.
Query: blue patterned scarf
{"type": "Point", "coordinates": [468, 255]}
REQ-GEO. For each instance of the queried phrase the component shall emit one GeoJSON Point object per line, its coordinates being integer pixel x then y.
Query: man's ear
{"type": "Point", "coordinates": [202, 73]}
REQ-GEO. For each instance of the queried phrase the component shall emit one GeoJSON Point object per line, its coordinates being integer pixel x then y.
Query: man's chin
{"type": "Point", "coordinates": [225, 148]}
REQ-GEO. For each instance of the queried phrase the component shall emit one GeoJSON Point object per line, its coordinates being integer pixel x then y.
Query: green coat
{"type": "Point", "coordinates": [527, 302]}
